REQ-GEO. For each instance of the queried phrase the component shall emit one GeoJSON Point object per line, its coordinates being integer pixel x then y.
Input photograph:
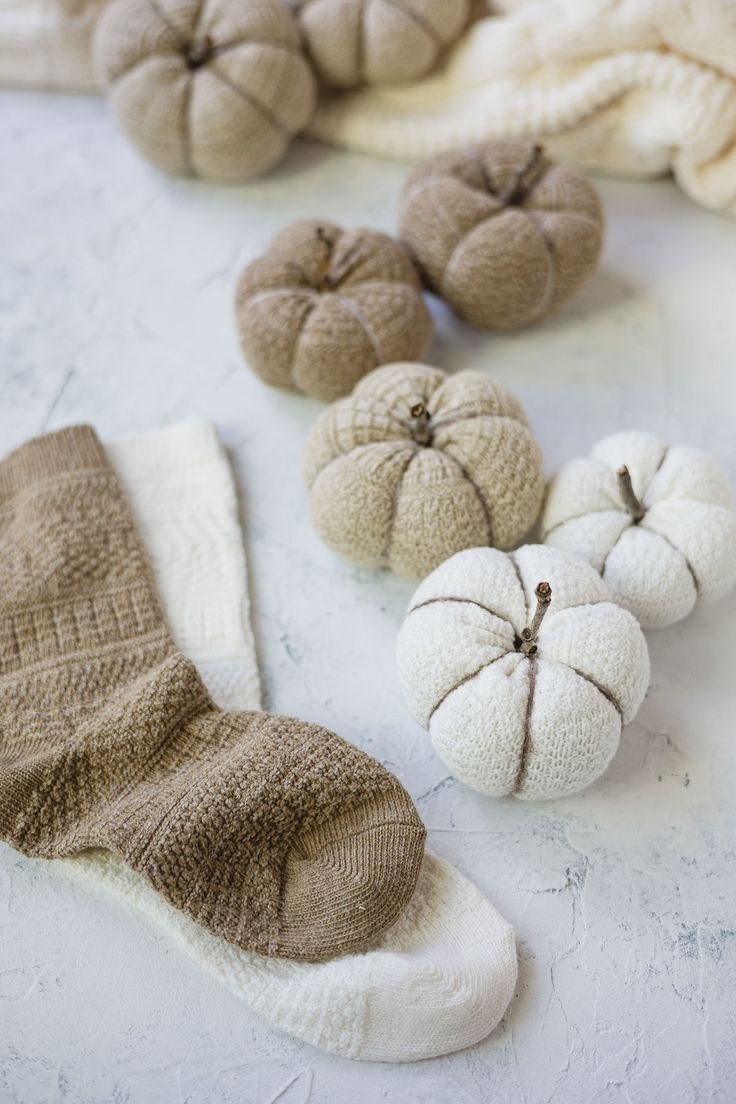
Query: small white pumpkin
{"type": "Point", "coordinates": [656, 522]}
{"type": "Point", "coordinates": [522, 669]}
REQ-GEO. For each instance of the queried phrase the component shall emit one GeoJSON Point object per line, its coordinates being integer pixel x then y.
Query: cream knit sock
{"type": "Point", "coordinates": [441, 978]}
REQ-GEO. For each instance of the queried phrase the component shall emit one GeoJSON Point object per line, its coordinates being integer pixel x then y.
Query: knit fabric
{"type": "Point", "coordinates": [535, 719]}
{"type": "Point", "coordinates": [214, 90]}
{"type": "Point", "coordinates": [352, 42]}
{"type": "Point", "coordinates": [637, 88]}
{"type": "Point", "coordinates": [441, 978]}
{"type": "Point", "coordinates": [273, 833]}
{"type": "Point", "coordinates": [325, 306]}
{"type": "Point", "coordinates": [181, 492]}
{"type": "Point", "coordinates": [678, 549]}
{"type": "Point", "coordinates": [47, 43]}
{"type": "Point", "coordinates": [501, 233]}
{"type": "Point", "coordinates": [416, 465]}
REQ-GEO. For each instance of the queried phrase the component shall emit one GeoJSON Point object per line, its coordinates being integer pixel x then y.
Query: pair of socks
{"type": "Point", "coordinates": [271, 832]}
{"type": "Point", "coordinates": [441, 977]}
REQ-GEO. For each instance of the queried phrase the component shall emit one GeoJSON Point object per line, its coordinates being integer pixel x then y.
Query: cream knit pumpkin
{"type": "Point", "coordinates": [216, 90]}
{"type": "Point", "coordinates": [324, 306]}
{"type": "Point", "coordinates": [354, 42]}
{"type": "Point", "coordinates": [521, 695]}
{"type": "Point", "coordinates": [662, 533]}
{"type": "Point", "coordinates": [501, 232]}
{"type": "Point", "coordinates": [416, 465]}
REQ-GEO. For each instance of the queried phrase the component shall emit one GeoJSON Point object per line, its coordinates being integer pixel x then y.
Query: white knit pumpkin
{"type": "Point", "coordinates": [656, 522]}
{"type": "Point", "coordinates": [514, 706]}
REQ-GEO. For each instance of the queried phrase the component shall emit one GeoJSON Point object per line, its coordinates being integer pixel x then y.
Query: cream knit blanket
{"type": "Point", "coordinates": [635, 87]}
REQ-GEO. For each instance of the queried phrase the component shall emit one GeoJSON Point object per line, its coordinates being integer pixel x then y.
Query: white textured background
{"type": "Point", "coordinates": [115, 307]}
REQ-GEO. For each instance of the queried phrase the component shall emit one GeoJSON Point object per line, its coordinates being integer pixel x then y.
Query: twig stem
{"type": "Point", "coordinates": [543, 594]}
{"type": "Point", "coordinates": [421, 429]}
{"type": "Point", "coordinates": [632, 503]}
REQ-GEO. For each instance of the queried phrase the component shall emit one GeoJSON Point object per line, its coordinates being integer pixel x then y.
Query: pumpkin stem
{"type": "Point", "coordinates": [324, 264]}
{"type": "Point", "coordinates": [421, 429]}
{"type": "Point", "coordinates": [199, 51]}
{"type": "Point", "coordinates": [632, 503]}
{"type": "Point", "coordinates": [543, 593]}
{"type": "Point", "coordinates": [527, 176]}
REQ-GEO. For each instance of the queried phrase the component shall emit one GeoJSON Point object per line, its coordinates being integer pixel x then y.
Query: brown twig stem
{"type": "Point", "coordinates": [420, 424]}
{"type": "Point", "coordinates": [543, 594]}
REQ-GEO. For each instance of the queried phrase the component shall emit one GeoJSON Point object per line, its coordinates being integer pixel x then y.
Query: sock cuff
{"type": "Point", "coordinates": [179, 447]}
{"type": "Point", "coordinates": [74, 449]}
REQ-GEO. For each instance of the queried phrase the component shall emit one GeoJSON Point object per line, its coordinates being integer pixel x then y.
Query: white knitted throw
{"type": "Point", "coordinates": [633, 87]}
{"type": "Point", "coordinates": [442, 977]}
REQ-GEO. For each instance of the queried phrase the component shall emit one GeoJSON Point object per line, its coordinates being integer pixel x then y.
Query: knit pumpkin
{"type": "Point", "coordinates": [656, 522]}
{"type": "Point", "coordinates": [416, 465]}
{"type": "Point", "coordinates": [215, 90]}
{"type": "Point", "coordinates": [501, 232]}
{"type": "Point", "coordinates": [325, 306]}
{"type": "Point", "coordinates": [354, 42]}
{"type": "Point", "coordinates": [522, 669]}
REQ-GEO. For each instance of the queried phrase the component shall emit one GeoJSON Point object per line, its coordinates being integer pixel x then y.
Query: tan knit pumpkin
{"type": "Point", "coordinates": [501, 232]}
{"type": "Point", "coordinates": [215, 90]}
{"type": "Point", "coordinates": [354, 42]}
{"type": "Point", "coordinates": [324, 306]}
{"type": "Point", "coordinates": [416, 465]}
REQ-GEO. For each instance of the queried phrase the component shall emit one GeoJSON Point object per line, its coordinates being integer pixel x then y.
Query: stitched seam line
{"type": "Point", "coordinates": [484, 505]}
{"type": "Point", "coordinates": [601, 690]}
{"type": "Point", "coordinates": [464, 601]}
{"type": "Point", "coordinates": [467, 678]}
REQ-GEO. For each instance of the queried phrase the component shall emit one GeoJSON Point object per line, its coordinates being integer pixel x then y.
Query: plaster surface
{"type": "Point", "coordinates": [116, 308]}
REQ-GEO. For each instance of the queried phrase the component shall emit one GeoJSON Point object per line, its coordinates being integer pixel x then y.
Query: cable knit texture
{"type": "Point", "coordinates": [660, 559]}
{"type": "Point", "coordinates": [442, 976]}
{"type": "Point", "coordinates": [416, 465]}
{"type": "Point", "coordinates": [538, 717]}
{"type": "Point", "coordinates": [214, 89]}
{"type": "Point", "coordinates": [634, 87]}
{"type": "Point", "coordinates": [501, 233]}
{"type": "Point", "coordinates": [325, 306]}
{"type": "Point", "coordinates": [353, 42]}
{"type": "Point", "coordinates": [271, 832]}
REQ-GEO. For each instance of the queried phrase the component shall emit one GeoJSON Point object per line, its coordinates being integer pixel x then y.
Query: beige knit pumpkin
{"type": "Point", "coordinates": [324, 306]}
{"type": "Point", "coordinates": [501, 232]}
{"type": "Point", "coordinates": [215, 90]}
{"type": "Point", "coordinates": [416, 465]}
{"type": "Point", "coordinates": [354, 42]}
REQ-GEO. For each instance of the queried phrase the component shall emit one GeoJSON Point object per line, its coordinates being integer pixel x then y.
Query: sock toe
{"type": "Point", "coordinates": [350, 878]}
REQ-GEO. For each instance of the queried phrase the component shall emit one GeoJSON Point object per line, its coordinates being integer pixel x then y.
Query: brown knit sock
{"type": "Point", "coordinates": [271, 832]}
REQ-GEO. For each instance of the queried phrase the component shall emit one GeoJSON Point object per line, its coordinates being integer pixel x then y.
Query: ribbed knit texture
{"type": "Point", "coordinates": [325, 306]}
{"type": "Point", "coordinates": [416, 465]}
{"type": "Point", "coordinates": [441, 977]}
{"type": "Point", "coordinates": [500, 232]}
{"type": "Point", "coordinates": [681, 550]}
{"type": "Point", "coordinates": [271, 832]}
{"type": "Point", "coordinates": [214, 90]}
{"type": "Point", "coordinates": [540, 724]}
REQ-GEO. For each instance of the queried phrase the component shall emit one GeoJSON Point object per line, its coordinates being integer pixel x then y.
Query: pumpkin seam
{"type": "Point", "coordinates": [578, 517]}
{"type": "Point", "coordinates": [467, 678]}
{"type": "Point", "coordinates": [392, 515]}
{"type": "Point", "coordinates": [526, 740]}
{"type": "Point", "coordinates": [686, 561]}
{"type": "Point", "coordinates": [355, 312]}
{"type": "Point", "coordinates": [419, 21]}
{"type": "Point", "coordinates": [254, 102]}
{"type": "Point", "coordinates": [463, 601]}
{"type": "Point", "coordinates": [481, 498]}
{"type": "Point", "coordinates": [551, 288]}
{"type": "Point", "coordinates": [604, 691]}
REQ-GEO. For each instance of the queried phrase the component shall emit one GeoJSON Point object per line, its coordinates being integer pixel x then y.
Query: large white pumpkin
{"type": "Point", "coordinates": [656, 523]}
{"type": "Point", "coordinates": [521, 694]}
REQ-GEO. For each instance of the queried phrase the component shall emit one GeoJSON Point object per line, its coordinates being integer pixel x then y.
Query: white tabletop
{"type": "Point", "coordinates": [116, 308]}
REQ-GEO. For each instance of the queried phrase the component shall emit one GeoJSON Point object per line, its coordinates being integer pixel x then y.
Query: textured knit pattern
{"type": "Point", "coordinates": [637, 88]}
{"type": "Point", "coordinates": [180, 489]}
{"type": "Point", "coordinates": [634, 87]}
{"type": "Point", "coordinates": [354, 42]}
{"type": "Point", "coordinates": [683, 547]}
{"type": "Point", "coordinates": [390, 486]}
{"type": "Point", "coordinates": [213, 89]}
{"type": "Point", "coordinates": [537, 726]}
{"type": "Point", "coordinates": [325, 306]}
{"type": "Point", "coordinates": [441, 978]}
{"type": "Point", "coordinates": [273, 833]}
{"type": "Point", "coordinates": [502, 234]}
